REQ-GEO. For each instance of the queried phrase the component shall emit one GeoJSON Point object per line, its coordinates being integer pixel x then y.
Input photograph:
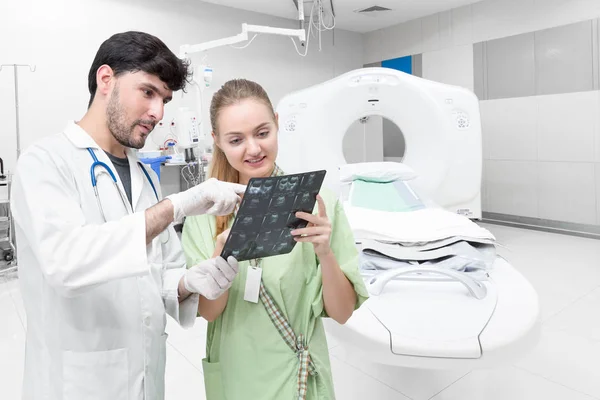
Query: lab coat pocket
{"type": "Point", "coordinates": [100, 375]}
{"type": "Point", "coordinates": [212, 380]}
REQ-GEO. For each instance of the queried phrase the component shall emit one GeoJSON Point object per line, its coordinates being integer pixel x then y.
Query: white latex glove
{"type": "Point", "coordinates": [211, 278]}
{"type": "Point", "coordinates": [210, 197]}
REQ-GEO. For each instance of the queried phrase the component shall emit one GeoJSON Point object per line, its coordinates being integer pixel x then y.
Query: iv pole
{"type": "Point", "coordinates": [16, 74]}
{"type": "Point", "coordinates": [9, 219]}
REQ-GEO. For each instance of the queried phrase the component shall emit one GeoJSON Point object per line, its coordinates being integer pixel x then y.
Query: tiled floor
{"type": "Point", "coordinates": [565, 271]}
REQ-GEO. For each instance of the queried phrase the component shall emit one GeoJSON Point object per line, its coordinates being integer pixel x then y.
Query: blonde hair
{"type": "Point", "coordinates": [230, 93]}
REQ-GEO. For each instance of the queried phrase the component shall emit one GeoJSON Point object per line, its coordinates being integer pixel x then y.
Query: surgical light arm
{"type": "Point", "coordinates": [186, 49]}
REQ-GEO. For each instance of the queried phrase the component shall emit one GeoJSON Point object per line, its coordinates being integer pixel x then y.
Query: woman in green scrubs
{"type": "Point", "coordinates": [274, 347]}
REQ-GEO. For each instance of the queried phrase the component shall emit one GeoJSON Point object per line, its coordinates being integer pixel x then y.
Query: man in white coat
{"type": "Point", "coordinates": [100, 264]}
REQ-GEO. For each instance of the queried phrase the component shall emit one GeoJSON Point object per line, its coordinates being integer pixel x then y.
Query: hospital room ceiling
{"type": "Point", "coordinates": [346, 13]}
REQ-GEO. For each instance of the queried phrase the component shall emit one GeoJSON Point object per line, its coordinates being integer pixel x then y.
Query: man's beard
{"type": "Point", "coordinates": [117, 124]}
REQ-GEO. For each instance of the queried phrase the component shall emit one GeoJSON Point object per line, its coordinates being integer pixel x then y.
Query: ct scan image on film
{"type": "Point", "coordinates": [267, 215]}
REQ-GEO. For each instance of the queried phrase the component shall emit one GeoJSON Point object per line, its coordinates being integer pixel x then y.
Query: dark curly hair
{"type": "Point", "coordinates": [139, 51]}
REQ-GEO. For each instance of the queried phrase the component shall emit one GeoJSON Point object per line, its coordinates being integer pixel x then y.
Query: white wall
{"type": "Point", "coordinates": [542, 153]}
{"type": "Point", "coordinates": [445, 38]}
{"type": "Point", "coordinates": [486, 20]}
{"type": "Point", "coordinates": [62, 36]}
{"type": "Point", "coordinates": [453, 66]}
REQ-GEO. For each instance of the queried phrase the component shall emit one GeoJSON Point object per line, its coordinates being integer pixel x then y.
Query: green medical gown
{"type": "Point", "coordinates": [247, 359]}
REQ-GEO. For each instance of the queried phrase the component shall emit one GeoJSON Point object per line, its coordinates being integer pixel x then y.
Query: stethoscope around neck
{"type": "Point", "coordinates": [112, 175]}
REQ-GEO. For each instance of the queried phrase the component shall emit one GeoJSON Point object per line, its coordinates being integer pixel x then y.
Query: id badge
{"type": "Point", "coordinates": [253, 278]}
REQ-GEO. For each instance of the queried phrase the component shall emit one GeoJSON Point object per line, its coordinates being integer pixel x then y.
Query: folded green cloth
{"type": "Point", "coordinates": [390, 196]}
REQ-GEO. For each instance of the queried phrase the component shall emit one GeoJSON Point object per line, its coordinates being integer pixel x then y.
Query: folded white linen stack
{"type": "Point", "coordinates": [395, 227]}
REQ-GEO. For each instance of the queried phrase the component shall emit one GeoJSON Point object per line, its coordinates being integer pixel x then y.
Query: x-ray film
{"type": "Point", "coordinates": [267, 215]}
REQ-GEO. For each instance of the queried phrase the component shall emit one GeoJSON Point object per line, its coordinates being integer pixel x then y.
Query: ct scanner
{"type": "Point", "coordinates": [429, 318]}
{"type": "Point", "coordinates": [440, 123]}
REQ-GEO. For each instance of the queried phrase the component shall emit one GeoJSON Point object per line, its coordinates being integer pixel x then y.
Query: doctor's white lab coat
{"type": "Point", "coordinates": [95, 294]}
